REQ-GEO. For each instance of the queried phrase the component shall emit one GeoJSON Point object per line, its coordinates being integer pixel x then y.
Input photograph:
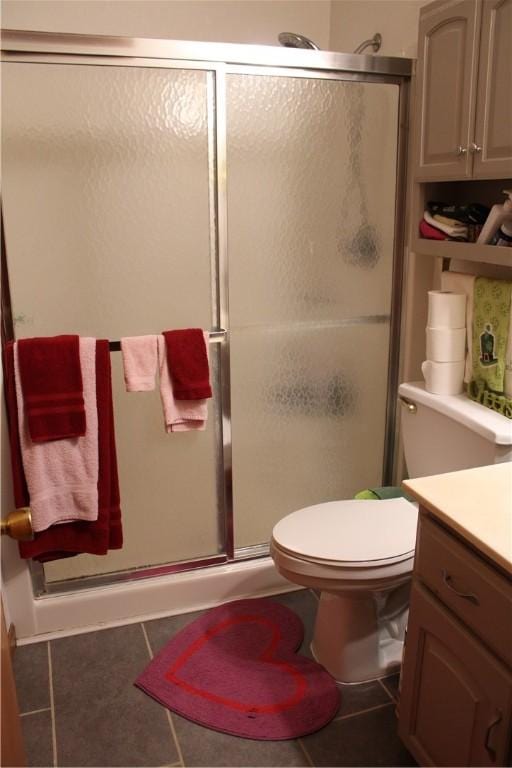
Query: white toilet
{"type": "Point", "coordinates": [359, 554]}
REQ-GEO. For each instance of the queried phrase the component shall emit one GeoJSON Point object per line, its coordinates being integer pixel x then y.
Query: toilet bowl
{"type": "Point", "coordinates": [359, 555]}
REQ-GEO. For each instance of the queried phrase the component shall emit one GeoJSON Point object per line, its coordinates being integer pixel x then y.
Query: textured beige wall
{"type": "Point", "coordinates": [237, 21]}
{"type": "Point", "coordinates": [353, 21]}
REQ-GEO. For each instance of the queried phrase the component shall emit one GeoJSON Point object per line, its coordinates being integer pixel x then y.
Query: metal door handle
{"type": "Point", "coordinates": [461, 150]}
{"type": "Point", "coordinates": [492, 725]}
{"type": "Point", "coordinates": [18, 525]}
{"type": "Point", "coordinates": [475, 148]}
{"type": "Point", "coordinates": [466, 595]}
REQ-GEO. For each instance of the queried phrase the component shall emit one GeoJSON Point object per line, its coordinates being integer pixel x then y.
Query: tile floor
{"type": "Point", "coordinates": [79, 708]}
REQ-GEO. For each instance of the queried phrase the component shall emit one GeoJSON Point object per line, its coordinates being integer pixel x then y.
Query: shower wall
{"type": "Point", "coordinates": [113, 179]}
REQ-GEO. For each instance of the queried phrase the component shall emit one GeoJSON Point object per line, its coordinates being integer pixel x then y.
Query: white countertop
{"type": "Point", "coordinates": [476, 503]}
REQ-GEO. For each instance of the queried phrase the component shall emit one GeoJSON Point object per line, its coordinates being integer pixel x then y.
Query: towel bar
{"type": "Point", "coordinates": [215, 338]}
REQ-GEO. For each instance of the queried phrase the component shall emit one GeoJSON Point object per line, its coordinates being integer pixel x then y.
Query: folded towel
{"type": "Point", "coordinates": [472, 213]}
{"type": "Point", "coordinates": [139, 362]}
{"type": "Point", "coordinates": [507, 385]}
{"type": "Point", "coordinates": [62, 475]}
{"type": "Point", "coordinates": [431, 233]}
{"type": "Point", "coordinates": [491, 320]}
{"type": "Point", "coordinates": [457, 282]}
{"type": "Point", "coordinates": [81, 536]}
{"type": "Point", "coordinates": [51, 381]}
{"type": "Point", "coordinates": [187, 359]}
{"type": "Point", "coordinates": [455, 230]}
{"type": "Point", "coordinates": [179, 415]}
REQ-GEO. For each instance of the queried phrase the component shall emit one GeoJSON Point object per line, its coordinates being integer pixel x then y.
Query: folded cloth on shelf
{"type": "Point", "coordinates": [51, 380]}
{"type": "Point", "coordinates": [472, 213]}
{"type": "Point", "coordinates": [457, 282]}
{"type": "Point", "coordinates": [491, 322]}
{"type": "Point", "coordinates": [94, 537]}
{"type": "Point", "coordinates": [179, 415]}
{"type": "Point", "coordinates": [456, 230]}
{"type": "Point", "coordinates": [431, 233]}
{"type": "Point", "coordinates": [187, 359]}
{"type": "Point", "coordinates": [62, 475]}
{"type": "Point", "coordinates": [139, 362]}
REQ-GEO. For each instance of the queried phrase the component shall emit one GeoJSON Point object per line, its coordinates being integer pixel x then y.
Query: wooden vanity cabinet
{"type": "Point", "coordinates": [456, 685]}
{"type": "Point", "coordinates": [463, 103]}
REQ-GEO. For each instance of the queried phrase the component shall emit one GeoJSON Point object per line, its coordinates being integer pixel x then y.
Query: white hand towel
{"type": "Point", "coordinates": [455, 230]}
{"type": "Point", "coordinates": [139, 362]}
{"type": "Point", "coordinates": [62, 475]}
{"type": "Point", "coordinates": [460, 283]}
{"type": "Point", "coordinates": [179, 415]}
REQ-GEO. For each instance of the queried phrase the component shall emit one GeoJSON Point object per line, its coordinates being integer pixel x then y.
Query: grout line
{"type": "Point", "coordinates": [363, 711]}
{"type": "Point", "coordinates": [393, 698]}
{"type": "Point", "coordinates": [52, 705]}
{"type": "Point", "coordinates": [35, 711]}
{"type": "Point", "coordinates": [169, 718]}
{"type": "Point", "coordinates": [306, 753]}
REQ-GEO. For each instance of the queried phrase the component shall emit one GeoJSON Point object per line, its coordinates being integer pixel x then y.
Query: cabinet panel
{"type": "Point", "coordinates": [493, 130]}
{"type": "Point", "coordinates": [456, 700]}
{"type": "Point", "coordinates": [446, 76]}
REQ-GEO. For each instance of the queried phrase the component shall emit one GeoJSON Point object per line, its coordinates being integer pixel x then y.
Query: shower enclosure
{"type": "Point", "coordinates": [253, 191]}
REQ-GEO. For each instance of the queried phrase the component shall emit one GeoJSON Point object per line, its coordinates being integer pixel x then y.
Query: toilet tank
{"type": "Point", "coordinates": [445, 433]}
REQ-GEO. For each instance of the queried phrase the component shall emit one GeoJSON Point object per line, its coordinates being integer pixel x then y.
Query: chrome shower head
{"type": "Point", "coordinates": [294, 40]}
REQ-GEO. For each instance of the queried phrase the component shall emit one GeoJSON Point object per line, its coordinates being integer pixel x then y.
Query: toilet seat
{"type": "Point", "coordinates": [350, 534]}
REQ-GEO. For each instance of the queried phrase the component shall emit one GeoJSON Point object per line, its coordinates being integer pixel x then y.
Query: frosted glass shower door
{"type": "Point", "coordinates": [311, 169]}
{"type": "Point", "coordinates": [106, 179]}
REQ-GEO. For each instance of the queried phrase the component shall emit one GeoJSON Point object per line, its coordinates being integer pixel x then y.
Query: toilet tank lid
{"type": "Point", "coordinates": [491, 425]}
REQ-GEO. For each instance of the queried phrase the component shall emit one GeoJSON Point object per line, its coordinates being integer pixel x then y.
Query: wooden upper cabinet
{"type": "Point", "coordinates": [464, 85]}
{"type": "Point", "coordinates": [446, 84]}
{"type": "Point", "coordinates": [492, 149]}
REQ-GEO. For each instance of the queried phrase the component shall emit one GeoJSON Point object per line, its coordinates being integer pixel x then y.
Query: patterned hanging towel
{"type": "Point", "coordinates": [491, 321]}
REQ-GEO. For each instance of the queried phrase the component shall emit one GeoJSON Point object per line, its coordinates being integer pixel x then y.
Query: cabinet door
{"type": "Point", "coordinates": [493, 129]}
{"type": "Point", "coordinates": [456, 700]}
{"type": "Point", "coordinates": [447, 51]}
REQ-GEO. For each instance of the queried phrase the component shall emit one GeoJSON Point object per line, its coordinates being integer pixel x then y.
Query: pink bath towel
{"type": "Point", "coordinates": [139, 362]}
{"type": "Point", "coordinates": [62, 475]}
{"type": "Point", "coordinates": [179, 415]}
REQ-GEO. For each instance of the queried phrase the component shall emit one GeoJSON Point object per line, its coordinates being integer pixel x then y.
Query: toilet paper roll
{"type": "Point", "coordinates": [446, 309]}
{"type": "Point", "coordinates": [443, 378]}
{"type": "Point", "coordinates": [446, 345]}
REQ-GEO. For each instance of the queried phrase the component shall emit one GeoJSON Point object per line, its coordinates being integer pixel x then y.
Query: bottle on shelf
{"type": "Point", "coordinates": [501, 214]}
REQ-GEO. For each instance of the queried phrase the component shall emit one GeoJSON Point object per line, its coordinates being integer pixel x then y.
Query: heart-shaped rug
{"type": "Point", "coordinates": [235, 669]}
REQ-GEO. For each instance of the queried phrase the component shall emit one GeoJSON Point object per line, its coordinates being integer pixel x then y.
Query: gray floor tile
{"type": "Point", "coordinates": [37, 738]}
{"type": "Point", "coordinates": [160, 631]}
{"type": "Point", "coordinates": [101, 718]}
{"type": "Point", "coordinates": [204, 747]}
{"type": "Point", "coordinates": [369, 739]}
{"type": "Point", "coordinates": [305, 605]}
{"type": "Point", "coordinates": [355, 698]}
{"type": "Point", "coordinates": [31, 672]}
{"type": "Point", "coordinates": [391, 684]}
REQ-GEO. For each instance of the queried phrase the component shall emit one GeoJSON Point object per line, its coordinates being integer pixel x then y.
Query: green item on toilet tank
{"type": "Point", "coordinates": [382, 492]}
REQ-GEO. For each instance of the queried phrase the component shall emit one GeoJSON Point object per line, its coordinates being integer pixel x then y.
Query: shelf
{"type": "Point", "coordinates": [485, 254]}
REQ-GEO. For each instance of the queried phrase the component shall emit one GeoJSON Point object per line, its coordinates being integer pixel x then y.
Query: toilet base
{"type": "Point", "coordinates": [361, 638]}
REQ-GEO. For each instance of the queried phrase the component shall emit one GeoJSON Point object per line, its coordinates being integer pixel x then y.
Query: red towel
{"type": "Point", "coordinates": [73, 538]}
{"type": "Point", "coordinates": [51, 381]}
{"type": "Point", "coordinates": [431, 233]}
{"type": "Point", "coordinates": [188, 364]}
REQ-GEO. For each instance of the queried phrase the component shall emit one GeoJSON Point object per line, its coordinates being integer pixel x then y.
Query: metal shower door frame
{"type": "Point", "coordinates": [218, 61]}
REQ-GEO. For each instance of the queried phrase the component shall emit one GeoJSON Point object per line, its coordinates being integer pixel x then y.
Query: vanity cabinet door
{"type": "Point", "coordinates": [446, 85]}
{"type": "Point", "coordinates": [492, 146]}
{"type": "Point", "coordinates": [456, 700]}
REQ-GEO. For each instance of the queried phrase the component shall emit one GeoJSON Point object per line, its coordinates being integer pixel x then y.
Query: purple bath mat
{"type": "Point", "coordinates": [235, 669]}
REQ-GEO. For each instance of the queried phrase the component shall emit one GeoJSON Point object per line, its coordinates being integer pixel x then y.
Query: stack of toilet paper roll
{"type": "Point", "coordinates": [446, 343]}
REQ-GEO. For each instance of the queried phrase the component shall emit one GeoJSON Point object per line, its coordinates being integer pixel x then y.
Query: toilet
{"type": "Point", "coordinates": [358, 554]}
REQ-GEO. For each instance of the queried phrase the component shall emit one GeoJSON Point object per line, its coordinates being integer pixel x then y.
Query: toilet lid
{"type": "Point", "coordinates": [350, 531]}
